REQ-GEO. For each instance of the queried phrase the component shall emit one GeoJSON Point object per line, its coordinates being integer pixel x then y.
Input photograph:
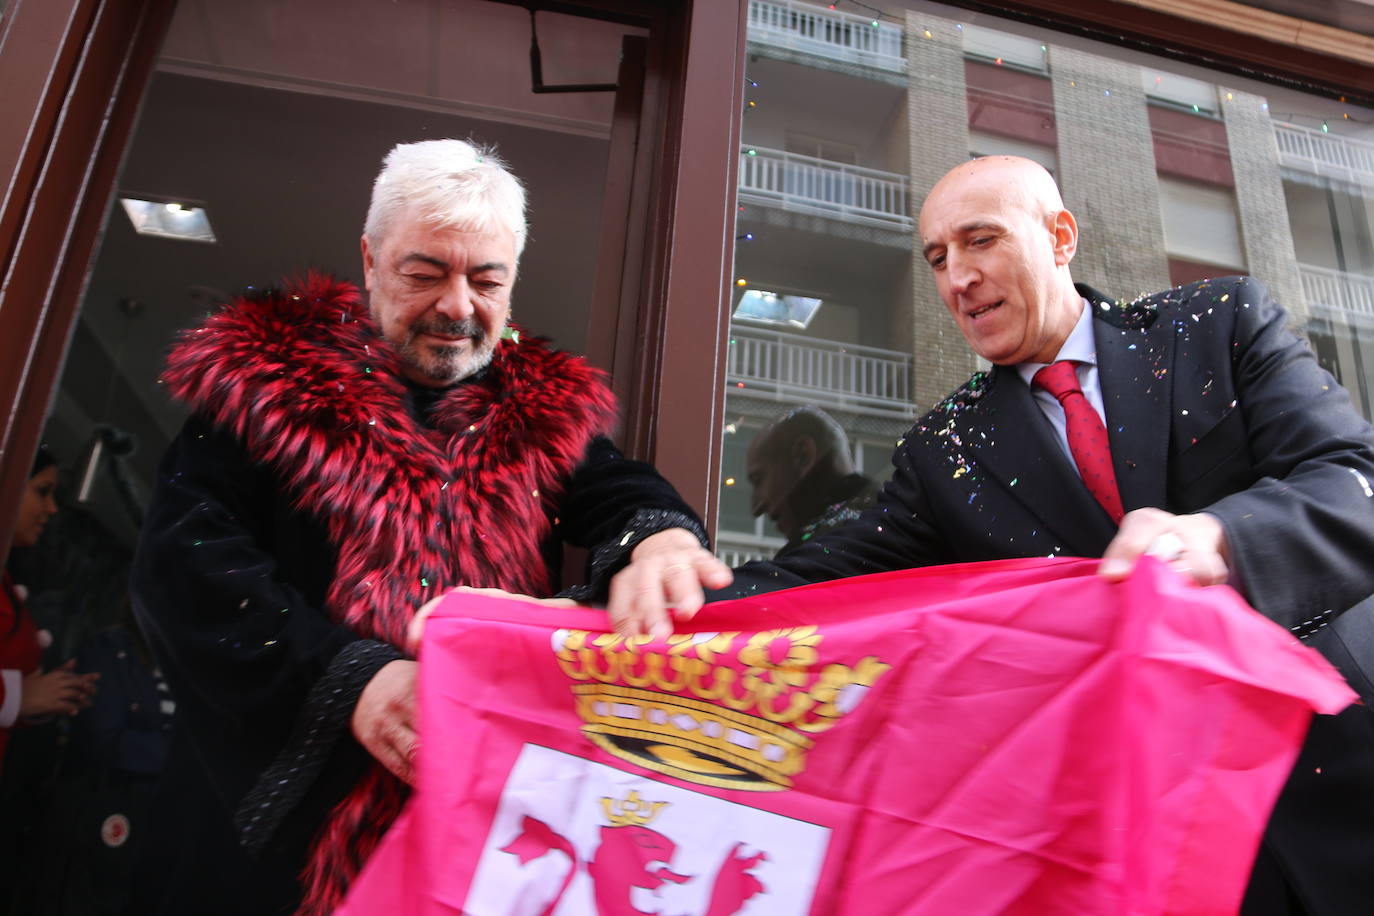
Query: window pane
{"type": "Point", "coordinates": [1175, 173]}
{"type": "Point", "coordinates": [1200, 223]}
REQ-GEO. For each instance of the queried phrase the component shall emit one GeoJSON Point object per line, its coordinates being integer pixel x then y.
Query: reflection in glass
{"type": "Point", "coordinates": [168, 220]}
{"type": "Point", "coordinates": [769, 308]}
{"type": "Point", "coordinates": [1175, 173]}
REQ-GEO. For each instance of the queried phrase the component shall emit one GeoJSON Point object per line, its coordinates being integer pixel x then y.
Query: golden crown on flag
{"type": "Point", "coordinates": [631, 810]}
{"type": "Point", "coordinates": [734, 710]}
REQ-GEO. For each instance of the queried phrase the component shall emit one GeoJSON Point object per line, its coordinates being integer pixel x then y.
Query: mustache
{"type": "Point", "coordinates": [468, 327]}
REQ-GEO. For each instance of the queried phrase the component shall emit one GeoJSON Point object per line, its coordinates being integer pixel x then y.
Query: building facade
{"type": "Point", "coordinates": [723, 208]}
{"type": "Point", "coordinates": [1174, 172]}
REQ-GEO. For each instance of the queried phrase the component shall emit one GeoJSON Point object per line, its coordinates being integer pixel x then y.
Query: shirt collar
{"type": "Point", "coordinates": [1080, 346]}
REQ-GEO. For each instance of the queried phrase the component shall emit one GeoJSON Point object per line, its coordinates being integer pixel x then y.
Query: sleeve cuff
{"type": "Point", "coordinates": [14, 694]}
{"type": "Point", "coordinates": [1313, 625]}
{"type": "Point", "coordinates": [614, 555]}
{"type": "Point", "coordinates": [323, 718]}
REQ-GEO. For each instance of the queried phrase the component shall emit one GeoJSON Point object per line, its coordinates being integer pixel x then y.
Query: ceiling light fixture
{"type": "Point", "coordinates": [767, 307]}
{"type": "Point", "coordinates": [169, 219]}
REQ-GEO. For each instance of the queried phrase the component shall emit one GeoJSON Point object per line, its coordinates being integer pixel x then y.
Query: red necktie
{"type": "Point", "coordinates": [1086, 434]}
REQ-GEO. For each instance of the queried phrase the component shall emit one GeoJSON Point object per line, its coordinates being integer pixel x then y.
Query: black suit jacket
{"type": "Point", "coordinates": [1213, 405]}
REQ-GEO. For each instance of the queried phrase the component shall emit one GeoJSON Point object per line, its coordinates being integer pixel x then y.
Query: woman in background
{"type": "Point", "coordinates": [26, 691]}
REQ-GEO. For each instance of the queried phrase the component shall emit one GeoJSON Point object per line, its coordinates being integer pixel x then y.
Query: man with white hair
{"type": "Point", "coordinates": [345, 463]}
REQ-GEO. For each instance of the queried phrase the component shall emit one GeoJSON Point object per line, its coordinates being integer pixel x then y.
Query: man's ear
{"type": "Point", "coordinates": [1064, 228]}
{"type": "Point", "coordinates": [367, 261]}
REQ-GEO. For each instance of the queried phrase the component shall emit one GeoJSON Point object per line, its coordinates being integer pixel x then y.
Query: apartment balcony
{"type": "Point", "coordinates": [735, 548]}
{"type": "Point", "coordinates": [1351, 294]}
{"type": "Point", "coordinates": [805, 184]}
{"type": "Point", "coordinates": [827, 33]}
{"type": "Point", "coordinates": [1329, 155]}
{"type": "Point", "coordinates": [803, 370]}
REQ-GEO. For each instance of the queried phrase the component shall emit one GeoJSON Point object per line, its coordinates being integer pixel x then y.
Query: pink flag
{"type": "Point", "coordinates": [1017, 737]}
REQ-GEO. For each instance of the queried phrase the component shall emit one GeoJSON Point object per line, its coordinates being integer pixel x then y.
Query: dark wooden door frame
{"type": "Point", "coordinates": [74, 72]}
{"type": "Point", "coordinates": [692, 272]}
{"type": "Point", "coordinates": [660, 307]}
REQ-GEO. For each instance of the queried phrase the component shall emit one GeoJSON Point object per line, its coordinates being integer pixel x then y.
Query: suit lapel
{"type": "Point", "coordinates": [1135, 355]}
{"type": "Point", "coordinates": [1022, 453]}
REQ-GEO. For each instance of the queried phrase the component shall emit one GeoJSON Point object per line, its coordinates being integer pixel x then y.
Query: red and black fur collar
{"type": "Point", "coordinates": [302, 377]}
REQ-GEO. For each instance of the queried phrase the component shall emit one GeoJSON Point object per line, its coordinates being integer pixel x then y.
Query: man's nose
{"type": "Point", "coordinates": [962, 273]}
{"type": "Point", "coordinates": [455, 302]}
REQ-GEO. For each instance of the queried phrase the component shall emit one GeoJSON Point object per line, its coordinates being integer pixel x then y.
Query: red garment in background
{"type": "Point", "coordinates": [1016, 737]}
{"type": "Point", "coordinates": [19, 649]}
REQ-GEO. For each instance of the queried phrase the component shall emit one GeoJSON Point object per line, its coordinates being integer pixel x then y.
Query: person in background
{"type": "Point", "coordinates": [802, 477]}
{"type": "Point", "coordinates": [28, 694]}
{"type": "Point", "coordinates": [27, 691]}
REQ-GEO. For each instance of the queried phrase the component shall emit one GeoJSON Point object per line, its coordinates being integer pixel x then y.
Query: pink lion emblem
{"type": "Point", "coordinates": [634, 856]}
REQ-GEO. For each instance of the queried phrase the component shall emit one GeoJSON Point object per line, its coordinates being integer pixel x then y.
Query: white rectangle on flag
{"type": "Point", "coordinates": [572, 837]}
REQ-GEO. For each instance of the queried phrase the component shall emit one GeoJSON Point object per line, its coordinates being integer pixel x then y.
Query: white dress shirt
{"type": "Point", "coordinates": [1080, 347]}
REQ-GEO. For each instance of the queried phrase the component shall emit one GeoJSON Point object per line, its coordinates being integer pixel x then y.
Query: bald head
{"type": "Point", "coordinates": [798, 454]}
{"type": "Point", "coordinates": [806, 421]}
{"type": "Point", "coordinates": [1020, 183]}
{"type": "Point", "coordinates": [998, 239]}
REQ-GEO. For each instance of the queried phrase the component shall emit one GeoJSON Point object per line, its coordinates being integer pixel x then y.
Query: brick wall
{"type": "Point", "coordinates": [1264, 227]}
{"type": "Point", "coordinates": [937, 118]}
{"type": "Point", "coordinates": [1107, 173]}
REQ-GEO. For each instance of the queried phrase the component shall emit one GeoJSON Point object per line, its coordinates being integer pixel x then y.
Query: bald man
{"type": "Point", "coordinates": [1221, 446]}
{"type": "Point", "coordinates": [802, 477]}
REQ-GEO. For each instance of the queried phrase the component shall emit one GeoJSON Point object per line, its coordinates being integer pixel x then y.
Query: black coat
{"type": "Point", "coordinates": [1213, 405]}
{"type": "Point", "coordinates": [227, 562]}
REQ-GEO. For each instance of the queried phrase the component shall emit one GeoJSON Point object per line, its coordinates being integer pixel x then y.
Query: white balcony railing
{"type": "Point", "coordinates": [805, 370]}
{"type": "Point", "coordinates": [735, 548]}
{"type": "Point", "coordinates": [827, 33]}
{"type": "Point", "coordinates": [1325, 154]}
{"type": "Point", "coordinates": [1335, 289]}
{"type": "Point", "coordinates": [806, 184]}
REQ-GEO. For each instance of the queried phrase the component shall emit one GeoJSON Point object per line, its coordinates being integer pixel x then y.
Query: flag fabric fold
{"type": "Point", "coordinates": [1015, 737]}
